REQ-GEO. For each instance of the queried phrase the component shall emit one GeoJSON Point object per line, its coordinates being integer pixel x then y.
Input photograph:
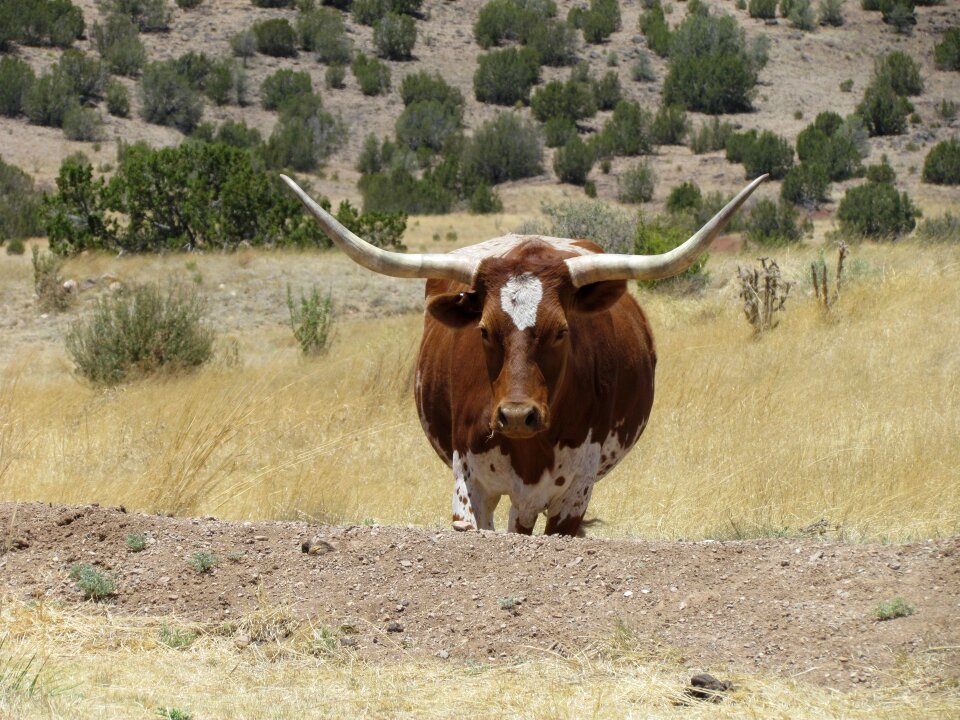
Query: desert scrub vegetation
{"type": "Point", "coordinates": [141, 331]}
{"type": "Point", "coordinates": [876, 210]}
{"type": "Point", "coordinates": [169, 98]}
{"type": "Point", "coordinates": [710, 136]}
{"type": "Point", "coordinates": [47, 283]}
{"type": "Point", "coordinates": [305, 135]}
{"type": "Point", "coordinates": [322, 30]}
{"type": "Point", "coordinates": [40, 22]}
{"type": "Point", "coordinates": [637, 183]}
{"type": "Point", "coordinates": [118, 98]}
{"type": "Point", "coordinates": [394, 36]}
{"type": "Point", "coordinates": [573, 161]}
{"type": "Point", "coordinates": [311, 320]}
{"type": "Point", "coordinates": [118, 42]}
{"type": "Point", "coordinates": [499, 21]}
{"type": "Point", "coordinates": [835, 144]}
{"type": "Point", "coordinates": [772, 223]}
{"type": "Point", "coordinates": [282, 85]}
{"type": "Point", "coordinates": [898, 607]}
{"type": "Point", "coordinates": [94, 585]}
{"type": "Point", "coordinates": [203, 562]}
{"type": "Point", "coordinates": [16, 78]}
{"type": "Point", "coordinates": [946, 53]}
{"type": "Point", "coordinates": [945, 228]}
{"type": "Point", "coordinates": [372, 75]}
{"type": "Point", "coordinates": [764, 294]}
{"type": "Point", "coordinates": [761, 153]}
{"type": "Point", "coordinates": [275, 37]}
{"type": "Point", "coordinates": [942, 164]}
{"type": "Point", "coordinates": [19, 204]}
{"type": "Point", "coordinates": [505, 77]}
{"type": "Point", "coordinates": [148, 15]}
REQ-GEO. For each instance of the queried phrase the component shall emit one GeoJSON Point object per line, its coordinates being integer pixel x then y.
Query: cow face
{"type": "Point", "coordinates": [524, 312]}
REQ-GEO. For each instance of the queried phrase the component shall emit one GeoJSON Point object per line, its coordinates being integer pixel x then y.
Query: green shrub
{"type": "Point", "coordinates": [47, 283]}
{"type": "Point", "coordinates": [883, 111]}
{"type": "Point", "coordinates": [422, 86]}
{"type": "Point", "coordinates": [305, 136]}
{"type": "Point", "coordinates": [372, 75]}
{"type": "Point", "coordinates": [244, 44]}
{"type": "Point", "coordinates": [876, 210]}
{"type": "Point", "coordinates": [653, 25]}
{"type": "Point", "coordinates": [946, 53]}
{"type": "Point", "coordinates": [94, 584]}
{"type": "Point", "coordinates": [273, 3]}
{"type": "Point", "coordinates": [226, 83]}
{"type": "Point", "coordinates": [806, 184]}
{"type": "Point", "coordinates": [275, 37]}
{"type": "Point", "coordinates": [670, 125]}
{"type": "Point", "coordinates": [607, 91]}
{"type": "Point", "coordinates": [642, 69]}
{"type": "Point", "coordinates": [831, 12]}
{"type": "Point", "coordinates": [237, 134]}
{"type": "Point", "coordinates": [149, 15]}
{"type": "Point", "coordinates": [769, 153]}
{"type": "Point", "coordinates": [15, 246]}
{"type": "Point", "coordinates": [504, 77]}
{"type": "Point", "coordinates": [140, 332]}
{"type": "Point", "coordinates": [367, 12]}
{"type": "Point", "coordinates": [831, 146]}
{"type": "Point", "coordinates": [710, 136]}
{"type": "Point", "coordinates": [663, 235]}
{"type": "Point", "coordinates": [609, 227]}
{"type": "Point", "coordinates": [629, 132]}
{"type": "Point", "coordinates": [764, 9]}
{"type": "Point", "coordinates": [394, 36]}
{"type": "Point", "coordinates": [502, 20]}
{"type": "Point", "coordinates": [801, 15]}
{"type": "Point", "coordinates": [323, 31]}
{"type": "Point", "coordinates": [901, 16]}
{"type": "Point", "coordinates": [558, 131]}
{"type": "Point", "coordinates": [896, 608]}
{"type": "Point", "coordinates": [118, 99]}
{"type": "Point", "coordinates": [710, 70]}
{"type": "Point", "coordinates": [335, 77]}
{"type": "Point", "coordinates": [84, 75]}
{"type": "Point", "coordinates": [397, 190]}
{"type": "Point", "coordinates": [900, 72]}
{"type": "Point", "coordinates": [739, 145]}
{"type": "Point", "coordinates": [84, 124]}
{"type": "Point", "coordinates": [188, 4]}
{"type": "Point", "coordinates": [136, 542]}
{"type": "Point", "coordinates": [573, 162]}
{"type": "Point", "coordinates": [554, 42]}
{"type": "Point", "coordinates": [637, 184]}
{"type": "Point", "coordinates": [44, 22]}
{"type": "Point", "coordinates": [484, 201]}
{"type": "Point", "coordinates": [685, 196]}
{"type": "Point", "coordinates": [504, 148]}
{"type": "Point", "coordinates": [16, 79]}
{"type": "Point", "coordinates": [168, 98]}
{"type": "Point", "coordinates": [774, 223]}
{"type": "Point", "coordinates": [203, 562]}
{"type": "Point", "coordinates": [945, 228]}
{"type": "Point", "coordinates": [882, 172]}
{"type": "Point", "coordinates": [426, 124]}
{"type": "Point", "coordinates": [311, 320]}
{"type": "Point", "coordinates": [601, 20]}
{"type": "Point", "coordinates": [572, 100]}
{"type": "Point", "coordinates": [77, 216]}
{"type": "Point", "coordinates": [48, 99]}
{"type": "Point", "coordinates": [19, 204]}
{"type": "Point", "coordinates": [942, 164]}
{"type": "Point", "coordinates": [282, 85]}
{"type": "Point", "coordinates": [118, 42]}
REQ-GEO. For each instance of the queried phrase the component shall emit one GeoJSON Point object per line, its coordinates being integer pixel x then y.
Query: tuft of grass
{"type": "Point", "coordinates": [94, 584]}
{"type": "Point", "coordinates": [136, 542]}
{"type": "Point", "coordinates": [47, 283]}
{"type": "Point", "coordinates": [173, 713]}
{"type": "Point", "coordinates": [202, 561]}
{"type": "Point", "coordinates": [176, 638]}
{"type": "Point", "coordinates": [311, 320]}
{"type": "Point", "coordinates": [892, 609]}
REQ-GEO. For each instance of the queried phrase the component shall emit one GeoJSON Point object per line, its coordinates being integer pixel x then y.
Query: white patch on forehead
{"type": "Point", "coordinates": [520, 297]}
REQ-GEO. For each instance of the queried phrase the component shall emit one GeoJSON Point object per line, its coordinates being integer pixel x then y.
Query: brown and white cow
{"type": "Point", "coordinates": [535, 373]}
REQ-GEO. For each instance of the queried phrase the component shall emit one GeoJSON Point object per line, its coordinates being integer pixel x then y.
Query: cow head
{"type": "Point", "coordinates": [521, 303]}
{"type": "Point", "coordinates": [520, 306]}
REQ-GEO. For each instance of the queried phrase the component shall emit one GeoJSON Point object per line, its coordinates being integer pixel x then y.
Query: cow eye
{"type": "Point", "coordinates": [484, 333]}
{"type": "Point", "coordinates": [562, 333]}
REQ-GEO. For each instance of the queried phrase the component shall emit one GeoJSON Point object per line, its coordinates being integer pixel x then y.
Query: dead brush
{"type": "Point", "coordinates": [818, 273]}
{"type": "Point", "coordinates": [764, 294]}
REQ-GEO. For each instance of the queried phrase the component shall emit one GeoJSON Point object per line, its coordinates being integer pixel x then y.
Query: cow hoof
{"type": "Point", "coordinates": [462, 526]}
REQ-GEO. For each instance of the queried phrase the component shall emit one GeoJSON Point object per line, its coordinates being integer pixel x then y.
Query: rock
{"type": "Point", "coordinates": [816, 555]}
{"type": "Point", "coordinates": [406, 564]}
{"type": "Point", "coordinates": [317, 546]}
{"type": "Point", "coordinates": [707, 687]}
{"type": "Point", "coordinates": [394, 627]}
{"type": "Point", "coordinates": [71, 287]}
{"type": "Point", "coordinates": [348, 641]}
{"type": "Point", "coordinates": [443, 654]}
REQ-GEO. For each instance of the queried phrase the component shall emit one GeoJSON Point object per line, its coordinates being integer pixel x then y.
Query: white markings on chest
{"type": "Point", "coordinates": [520, 298]}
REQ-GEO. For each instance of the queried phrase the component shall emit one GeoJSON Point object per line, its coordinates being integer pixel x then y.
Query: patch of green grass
{"type": "Point", "coordinates": [176, 638]}
{"type": "Point", "coordinates": [174, 714]}
{"type": "Point", "coordinates": [93, 584]}
{"type": "Point", "coordinates": [892, 609]}
{"type": "Point", "coordinates": [136, 542]}
{"type": "Point", "coordinates": [203, 561]}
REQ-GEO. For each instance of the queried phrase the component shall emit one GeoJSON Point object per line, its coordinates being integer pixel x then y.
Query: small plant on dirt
{"type": "Point", "coordinates": [47, 283]}
{"type": "Point", "coordinates": [93, 584]}
{"type": "Point", "coordinates": [764, 294]}
{"type": "Point", "coordinates": [322, 640]}
{"type": "Point", "coordinates": [818, 273]}
{"type": "Point", "coordinates": [176, 638]}
{"type": "Point", "coordinates": [15, 247]}
{"type": "Point", "coordinates": [136, 542]}
{"type": "Point", "coordinates": [510, 604]}
{"type": "Point", "coordinates": [945, 228]}
{"type": "Point", "coordinates": [202, 561]}
{"type": "Point", "coordinates": [174, 713]}
{"type": "Point", "coordinates": [311, 320]}
{"type": "Point", "coordinates": [235, 555]}
{"type": "Point", "coordinates": [892, 609]}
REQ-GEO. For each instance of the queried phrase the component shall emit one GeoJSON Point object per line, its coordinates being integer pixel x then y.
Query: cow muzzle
{"type": "Point", "coordinates": [519, 420]}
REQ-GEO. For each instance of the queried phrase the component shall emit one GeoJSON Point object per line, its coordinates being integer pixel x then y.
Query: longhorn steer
{"type": "Point", "coordinates": [535, 373]}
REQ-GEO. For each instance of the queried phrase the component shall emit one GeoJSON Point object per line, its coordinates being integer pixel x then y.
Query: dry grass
{"type": "Point", "coordinates": [851, 417]}
{"type": "Point", "coordinates": [94, 664]}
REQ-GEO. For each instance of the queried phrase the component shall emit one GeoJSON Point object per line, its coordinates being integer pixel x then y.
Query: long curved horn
{"type": "Point", "coordinates": [425, 265]}
{"type": "Point", "coordinates": [587, 269]}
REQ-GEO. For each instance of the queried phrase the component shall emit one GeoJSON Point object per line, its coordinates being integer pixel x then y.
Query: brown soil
{"type": "Point", "coordinates": [800, 607]}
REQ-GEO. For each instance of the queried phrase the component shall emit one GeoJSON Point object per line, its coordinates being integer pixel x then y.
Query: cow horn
{"type": "Point", "coordinates": [588, 269]}
{"type": "Point", "coordinates": [424, 265]}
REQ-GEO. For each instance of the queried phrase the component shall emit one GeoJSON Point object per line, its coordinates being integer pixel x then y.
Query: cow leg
{"type": "Point", "coordinates": [522, 523]}
{"type": "Point", "coordinates": [471, 503]}
{"type": "Point", "coordinates": [566, 514]}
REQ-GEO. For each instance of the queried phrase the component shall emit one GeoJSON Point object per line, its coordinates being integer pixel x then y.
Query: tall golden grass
{"type": "Point", "coordinates": [852, 418]}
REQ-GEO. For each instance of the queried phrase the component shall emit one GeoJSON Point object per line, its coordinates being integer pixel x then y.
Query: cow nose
{"type": "Point", "coordinates": [519, 419]}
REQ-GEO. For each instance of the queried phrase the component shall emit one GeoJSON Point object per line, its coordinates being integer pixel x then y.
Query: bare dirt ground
{"type": "Point", "coordinates": [799, 607]}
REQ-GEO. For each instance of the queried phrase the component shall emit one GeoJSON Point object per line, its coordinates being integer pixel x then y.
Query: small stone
{"type": "Point", "coordinates": [443, 654]}
{"type": "Point", "coordinates": [406, 563]}
{"type": "Point", "coordinates": [348, 641]}
{"type": "Point", "coordinates": [462, 525]}
{"type": "Point", "coordinates": [628, 593]}
{"type": "Point", "coordinates": [816, 555]}
{"type": "Point", "coordinates": [260, 537]}
{"type": "Point", "coordinates": [394, 627]}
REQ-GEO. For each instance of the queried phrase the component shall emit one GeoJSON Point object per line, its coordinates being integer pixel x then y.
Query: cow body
{"type": "Point", "coordinates": [596, 398]}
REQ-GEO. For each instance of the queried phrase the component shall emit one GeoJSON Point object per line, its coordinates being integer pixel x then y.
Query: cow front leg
{"type": "Point", "coordinates": [470, 502]}
{"type": "Point", "coordinates": [566, 514]}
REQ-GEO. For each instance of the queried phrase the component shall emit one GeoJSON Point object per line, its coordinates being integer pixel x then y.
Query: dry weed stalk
{"type": "Point", "coordinates": [820, 286]}
{"type": "Point", "coordinates": [764, 294]}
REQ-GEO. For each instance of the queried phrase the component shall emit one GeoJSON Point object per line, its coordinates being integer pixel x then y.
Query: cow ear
{"type": "Point", "coordinates": [598, 296]}
{"type": "Point", "coordinates": [456, 309]}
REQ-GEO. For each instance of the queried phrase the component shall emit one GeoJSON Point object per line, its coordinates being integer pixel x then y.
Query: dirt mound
{"type": "Point", "coordinates": [798, 607]}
